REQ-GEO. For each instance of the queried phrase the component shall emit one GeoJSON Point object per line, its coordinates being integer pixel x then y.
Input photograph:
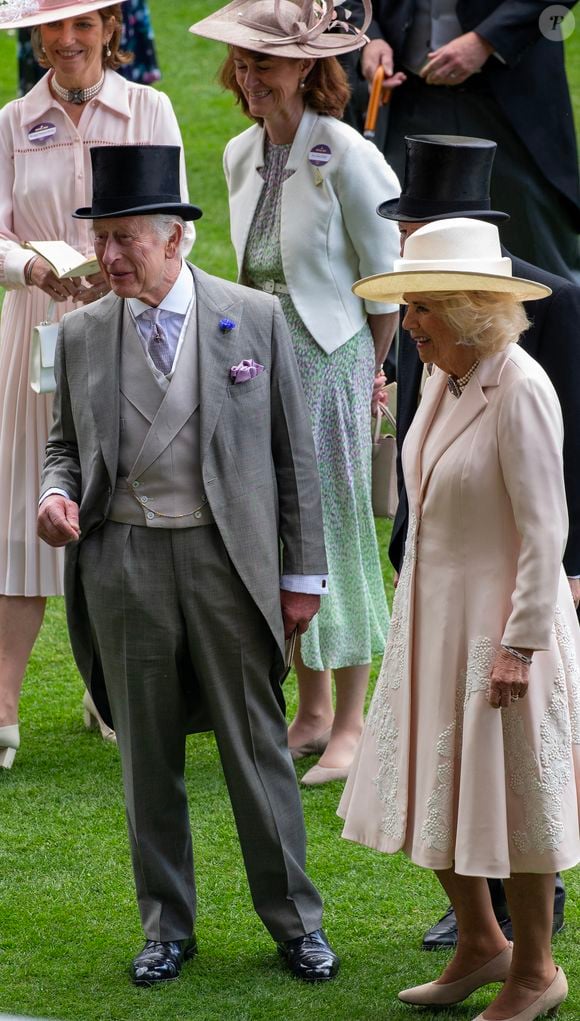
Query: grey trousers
{"type": "Point", "coordinates": [170, 613]}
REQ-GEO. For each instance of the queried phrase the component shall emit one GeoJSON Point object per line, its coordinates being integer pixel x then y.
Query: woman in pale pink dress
{"type": "Point", "coordinates": [470, 757]}
{"type": "Point", "coordinates": [45, 173]}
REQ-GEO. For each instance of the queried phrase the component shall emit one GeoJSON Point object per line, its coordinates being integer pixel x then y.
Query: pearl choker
{"type": "Point", "coordinates": [78, 96]}
{"type": "Point", "coordinates": [457, 386]}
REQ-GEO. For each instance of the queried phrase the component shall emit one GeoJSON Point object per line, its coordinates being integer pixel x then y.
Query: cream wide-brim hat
{"type": "Point", "coordinates": [284, 28]}
{"type": "Point", "coordinates": [29, 13]}
{"type": "Point", "coordinates": [450, 255]}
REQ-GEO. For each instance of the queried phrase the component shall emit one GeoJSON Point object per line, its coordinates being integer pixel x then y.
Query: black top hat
{"type": "Point", "coordinates": [445, 176]}
{"type": "Point", "coordinates": [136, 180]}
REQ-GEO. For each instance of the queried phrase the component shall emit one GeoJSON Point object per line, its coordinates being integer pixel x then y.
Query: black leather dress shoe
{"type": "Point", "coordinates": [310, 957]}
{"type": "Point", "coordinates": [444, 933]}
{"type": "Point", "coordinates": [161, 962]}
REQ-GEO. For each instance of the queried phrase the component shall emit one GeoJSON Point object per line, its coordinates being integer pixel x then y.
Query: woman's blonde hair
{"type": "Point", "coordinates": [117, 57]}
{"type": "Point", "coordinates": [485, 320]}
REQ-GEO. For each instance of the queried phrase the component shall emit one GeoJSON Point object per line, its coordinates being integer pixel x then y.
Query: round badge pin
{"type": "Point", "coordinates": [40, 133]}
{"type": "Point", "coordinates": [319, 155]}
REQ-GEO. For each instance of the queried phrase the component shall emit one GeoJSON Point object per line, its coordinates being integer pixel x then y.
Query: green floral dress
{"type": "Point", "coordinates": [353, 620]}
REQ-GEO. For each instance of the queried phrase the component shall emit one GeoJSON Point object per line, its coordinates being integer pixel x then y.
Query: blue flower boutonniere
{"type": "Point", "coordinates": [227, 325]}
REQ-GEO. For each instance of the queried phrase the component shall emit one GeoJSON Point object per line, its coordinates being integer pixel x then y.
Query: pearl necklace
{"type": "Point", "coordinates": [457, 386]}
{"type": "Point", "coordinates": [77, 96]}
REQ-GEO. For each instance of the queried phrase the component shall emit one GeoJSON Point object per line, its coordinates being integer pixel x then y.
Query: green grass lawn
{"type": "Point", "coordinates": [68, 920]}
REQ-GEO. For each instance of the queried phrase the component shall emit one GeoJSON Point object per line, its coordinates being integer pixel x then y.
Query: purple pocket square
{"type": "Point", "coordinates": [247, 369]}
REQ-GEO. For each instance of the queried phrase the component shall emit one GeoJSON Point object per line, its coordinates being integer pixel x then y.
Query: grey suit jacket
{"type": "Point", "coordinates": [257, 453]}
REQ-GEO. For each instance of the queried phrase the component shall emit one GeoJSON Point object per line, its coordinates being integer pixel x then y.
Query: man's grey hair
{"type": "Point", "coordinates": [162, 225]}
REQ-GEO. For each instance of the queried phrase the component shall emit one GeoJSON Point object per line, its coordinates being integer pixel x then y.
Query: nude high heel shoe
{"type": "Point", "coordinates": [435, 994]}
{"type": "Point", "coordinates": [314, 747]}
{"type": "Point", "coordinates": [547, 1004]}
{"type": "Point", "coordinates": [9, 745]}
{"type": "Point", "coordinates": [94, 721]}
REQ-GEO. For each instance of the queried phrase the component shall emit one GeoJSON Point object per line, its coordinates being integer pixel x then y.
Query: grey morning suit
{"type": "Point", "coordinates": [176, 619]}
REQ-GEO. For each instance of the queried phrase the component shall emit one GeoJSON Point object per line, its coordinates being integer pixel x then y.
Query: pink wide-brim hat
{"type": "Point", "coordinates": [28, 13]}
{"type": "Point", "coordinates": [284, 28]}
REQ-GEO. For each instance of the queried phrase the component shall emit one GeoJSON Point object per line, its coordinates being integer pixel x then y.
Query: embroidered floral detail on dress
{"type": "Point", "coordinates": [541, 784]}
{"type": "Point", "coordinates": [381, 720]}
{"type": "Point", "coordinates": [437, 829]}
{"type": "Point", "coordinates": [571, 671]}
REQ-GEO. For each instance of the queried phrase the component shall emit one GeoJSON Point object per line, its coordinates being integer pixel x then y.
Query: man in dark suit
{"type": "Point", "coordinates": [450, 176]}
{"type": "Point", "coordinates": [496, 70]}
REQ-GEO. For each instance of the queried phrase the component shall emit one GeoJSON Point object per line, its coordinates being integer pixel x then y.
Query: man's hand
{"type": "Point", "coordinates": [376, 54]}
{"type": "Point", "coordinates": [453, 63]}
{"type": "Point", "coordinates": [58, 521]}
{"type": "Point", "coordinates": [298, 609]}
{"type": "Point", "coordinates": [575, 589]}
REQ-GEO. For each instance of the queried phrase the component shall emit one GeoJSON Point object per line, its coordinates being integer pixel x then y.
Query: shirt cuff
{"type": "Point", "coordinates": [310, 584]}
{"type": "Point", "coordinates": [51, 492]}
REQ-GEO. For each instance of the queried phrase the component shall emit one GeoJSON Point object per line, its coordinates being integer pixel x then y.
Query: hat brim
{"type": "Point", "coordinates": [390, 287]}
{"type": "Point", "coordinates": [226, 30]}
{"type": "Point", "coordinates": [391, 210]}
{"type": "Point", "coordinates": [184, 210]}
{"type": "Point", "coordinates": [56, 13]}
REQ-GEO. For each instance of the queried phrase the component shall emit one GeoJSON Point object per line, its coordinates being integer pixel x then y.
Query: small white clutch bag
{"type": "Point", "coordinates": [43, 347]}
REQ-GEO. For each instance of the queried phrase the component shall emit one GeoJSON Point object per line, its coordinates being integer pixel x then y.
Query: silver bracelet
{"type": "Point", "coordinates": [517, 655]}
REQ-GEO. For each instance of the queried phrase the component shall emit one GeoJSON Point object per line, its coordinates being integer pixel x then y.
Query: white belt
{"type": "Point", "coordinates": [271, 287]}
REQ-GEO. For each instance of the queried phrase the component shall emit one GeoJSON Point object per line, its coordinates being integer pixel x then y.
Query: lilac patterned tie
{"type": "Point", "coordinates": [157, 345]}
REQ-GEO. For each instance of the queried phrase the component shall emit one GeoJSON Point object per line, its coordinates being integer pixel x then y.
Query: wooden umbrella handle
{"type": "Point", "coordinates": [375, 99]}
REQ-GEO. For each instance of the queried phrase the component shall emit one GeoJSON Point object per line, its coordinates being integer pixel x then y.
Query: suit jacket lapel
{"type": "Point", "coordinates": [416, 436]}
{"type": "Point", "coordinates": [103, 347]}
{"type": "Point", "coordinates": [467, 407]}
{"type": "Point", "coordinates": [218, 350]}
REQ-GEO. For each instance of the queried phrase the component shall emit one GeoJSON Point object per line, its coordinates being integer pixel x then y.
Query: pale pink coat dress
{"type": "Point", "coordinates": [438, 772]}
{"type": "Point", "coordinates": [40, 186]}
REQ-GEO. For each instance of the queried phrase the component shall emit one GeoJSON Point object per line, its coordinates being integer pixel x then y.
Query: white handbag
{"type": "Point", "coordinates": [43, 347]}
{"type": "Point", "coordinates": [384, 468]}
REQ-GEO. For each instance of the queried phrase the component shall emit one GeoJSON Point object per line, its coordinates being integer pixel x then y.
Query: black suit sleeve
{"type": "Point", "coordinates": [511, 28]}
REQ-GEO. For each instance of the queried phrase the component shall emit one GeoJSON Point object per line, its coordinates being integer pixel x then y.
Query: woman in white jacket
{"type": "Point", "coordinates": [303, 195]}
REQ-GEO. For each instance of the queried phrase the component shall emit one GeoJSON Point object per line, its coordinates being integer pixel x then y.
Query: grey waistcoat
{"type": "Point", "coordinates": [159, 483]}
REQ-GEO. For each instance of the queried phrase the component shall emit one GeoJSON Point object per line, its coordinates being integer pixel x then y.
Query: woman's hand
{"type": "Point", "coordinates": [380, 395]}
{"type": "Point", "coordinates": [42, 276]}
{"type": "Point", "coordinates": [98, 288]}
{"type": "Point", "coordinates": [575, 590]}
{"type": "Point", "coordinates": [508, 679]}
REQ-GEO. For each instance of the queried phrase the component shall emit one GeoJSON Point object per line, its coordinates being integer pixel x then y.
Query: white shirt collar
{"type": "Point", "coordinates": [177, 300]}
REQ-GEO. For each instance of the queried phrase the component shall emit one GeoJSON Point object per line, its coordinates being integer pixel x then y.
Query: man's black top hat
{"type": "Point", "coordinates": [136, 180]}
{"type": "Point", "coordinates": [445, 176]}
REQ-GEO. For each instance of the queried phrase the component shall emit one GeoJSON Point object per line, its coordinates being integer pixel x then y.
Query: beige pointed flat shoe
{"type": "Point", "coordinates": [547, 1004]}
{"type": "Point", "coordinates": [437, 994]}
{"type": "Point", "coordinates": [324, 774]}
{"type": "Point", "coordinates": [94, 721]}
{"type": "Point", "coordinates": [9, 745]}
{"type": "Point", "coordinates": [314, 747]}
